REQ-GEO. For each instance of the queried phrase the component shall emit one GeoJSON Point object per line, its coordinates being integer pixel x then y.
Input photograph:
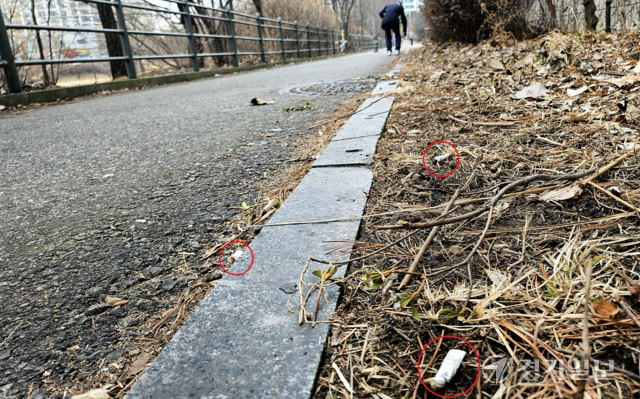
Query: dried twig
{"type": "Point", "coordinates": [433, 233]}
{"type": "Point", "coordinates": [484, 209]}
{"type": "Point", "coordinates": [586, 348]}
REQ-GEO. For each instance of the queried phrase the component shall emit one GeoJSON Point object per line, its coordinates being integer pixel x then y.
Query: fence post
{"type": "Point", "coordinates": [232, 34]}
{"type": "Point", "coordinates": [333, 40]}
{"type": "Point", "coordinates": [297, 40]}
{"type": "Point", "coordinates": [607, 16]}
{"type": "Point", "coordinates": [326, 39]}
{"type": "Point", "coordinates": [260, 40]}
{"type": "Point", "coordinates": [375, 44]}
{"type": "Point", "coordinates": [309, 40]}
{"type": "Point", "coordinates": [192, 41]}
{"type": "Point", "coordinates": [126, 45]}
{"type": "Point", "coordinates": [318, 41]}
{"type": "Point", "coordinates": [284, 55]}
{"type": "Point", "coordinates": [7, 61]}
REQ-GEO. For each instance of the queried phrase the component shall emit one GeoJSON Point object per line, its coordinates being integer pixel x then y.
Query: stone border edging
{"type": "Point", "coordinates": [243, 341]}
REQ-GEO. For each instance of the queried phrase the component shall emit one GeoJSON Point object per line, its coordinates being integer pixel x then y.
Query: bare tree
{"type": "Point", "coordinates": [607, 16]}
{"type": "Point", "coordinates": [258, 5]}
{"type": "Point", "coordinates": [45, 74]}
{"type": "Point", "coordinates": [552, 12]}
{"type": "Point", "coordinates": [343, 10]}
{"type": "Point", "coordinates": [590, 14]}
{"type": "Point", "coordinates": [114, 41]}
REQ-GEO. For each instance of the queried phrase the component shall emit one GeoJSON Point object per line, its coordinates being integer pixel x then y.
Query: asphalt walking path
{"type": "Point", "coordinates": [94, 191]}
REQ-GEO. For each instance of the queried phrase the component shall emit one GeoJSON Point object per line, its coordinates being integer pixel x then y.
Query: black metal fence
{"type": "Point", "coordinates": [294, 40]}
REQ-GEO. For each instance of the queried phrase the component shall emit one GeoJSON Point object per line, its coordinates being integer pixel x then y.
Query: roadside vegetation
{"type": "Point", "coordinates": [528, 251]}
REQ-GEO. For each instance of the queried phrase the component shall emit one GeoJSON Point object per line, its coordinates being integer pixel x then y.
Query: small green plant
{"type": "Point", "coordinates": [552, 291]}
{"type": "Point", "coordinates": [410, 300]}
{"type": "Point", "coordinates": [301, 107]}
{"type": "Point", "coordinates": [328, 275]}
{"type": "Point", "coordinates": [372, 281]}
{"type": "Point", "coordinates": [451, 314]}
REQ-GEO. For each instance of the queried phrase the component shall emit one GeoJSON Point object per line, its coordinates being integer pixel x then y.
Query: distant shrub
{"type": "Point", "coordinates": [471, 20]}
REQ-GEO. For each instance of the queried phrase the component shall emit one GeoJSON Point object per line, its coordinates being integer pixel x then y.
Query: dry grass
{"type": "Point", "coordinates": [512, 266]}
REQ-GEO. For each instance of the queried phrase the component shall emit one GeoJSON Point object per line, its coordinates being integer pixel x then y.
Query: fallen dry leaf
{"type": "Point", "coordinates": [112, 300]}
{"type": "Point", "coordinates": [570, 69]}
{"type": "Point", "coordinates": [257, 101]}
{"type": "Point", "coordinates": [606, 309]}
{"type": "Point", "coordinates": [139, 365]}
{"type": "Point", "coordinates": [93, 394]}
{"type": "Point", "coordinates": [561, 194]}
{"type": "Point", "coordinates": [496, 64]}
{"type": "Point", "coordinates": [534, 90]}
{"type": "Point", "coordinates": [577, 92]}
{"type": "Point", "coordinates": [435, 77]}
{"type": "Point", "coordinates": [497, 278]}
{"type": "Point", "coordinates": [455, 249]}
{"type": "Point", "coordinates": [637, 68]}
{"type": "Point", "coordinates": [501, 207]}
{"type": "Point", "coordinates": [634, 289]}
{"type": "Point", "coordinates": [628, 80]}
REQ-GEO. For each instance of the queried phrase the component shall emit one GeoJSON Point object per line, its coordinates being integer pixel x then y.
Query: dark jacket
{"type": "Point", "coordinates": [390, 14]}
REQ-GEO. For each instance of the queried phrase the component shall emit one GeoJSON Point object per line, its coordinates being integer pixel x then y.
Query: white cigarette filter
{"type": "Point", "coordinates": [237, 254]}
{"type": "Point", "coordinates": [447, 370]}
{"type": "Point", "coordinates": [441, 158]}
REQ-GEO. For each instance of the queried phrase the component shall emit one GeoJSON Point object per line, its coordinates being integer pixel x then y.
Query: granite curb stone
{"type": "Point", "coordinates": [385, 87]}
{"type": "Point", "coordinates": [369, 120]}
{"type": "Point", "coordinates": [242, 341]}
{"type": "Point", "coordinates": [354, 152]}
{"type": "Point", "coordinates": [324, 194]}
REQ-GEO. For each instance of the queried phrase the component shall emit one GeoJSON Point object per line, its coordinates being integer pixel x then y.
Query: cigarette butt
{"type": "Point", "coordinates": [236, 255]}
{"type": "Point", "coordinates": [447, 370]}
{"type": "Point", "coordinates": [441, 158]}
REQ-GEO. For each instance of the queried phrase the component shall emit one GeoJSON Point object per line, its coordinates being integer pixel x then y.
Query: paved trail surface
{"type": "Point", "coordinates": [100, 195]}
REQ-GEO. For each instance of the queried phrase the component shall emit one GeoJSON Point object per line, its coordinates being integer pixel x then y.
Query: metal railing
{"type": "Point", "coordinates": [308, 40]}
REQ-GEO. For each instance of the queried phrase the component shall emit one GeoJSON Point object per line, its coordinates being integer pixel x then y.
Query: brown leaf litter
{"type": "Point", "coordinates": [545, 203]}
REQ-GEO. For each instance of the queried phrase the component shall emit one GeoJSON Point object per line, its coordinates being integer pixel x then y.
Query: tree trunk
{"type": "Point", "coordinates": [607, 16]}
{"type": "Point", "coordinates": [258, 5]}
{"type": "Point", "coordinates": [590, 14]}
{"type": "Point", "coordinates": [114, 41]}
{"type": "Point", "coordinates": [45, 74]}
{"type": "Point", "coordinates": [195, 27]}
{"type": "Point", "coordinates": [552, 11]}
{"type": "Point", "coordinates": [216, 44]}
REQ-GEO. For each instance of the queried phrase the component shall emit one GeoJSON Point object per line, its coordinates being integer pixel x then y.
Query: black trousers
{"type": "Point", "coordinates": [387, 34]}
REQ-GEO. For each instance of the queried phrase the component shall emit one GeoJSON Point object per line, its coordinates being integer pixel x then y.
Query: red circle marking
{"type": "Point", "coordinates": [220, 258]}
{"type": "Point", "coordinates": [461, 339]}
{"type": "Point", "coordinates": [425, 164]}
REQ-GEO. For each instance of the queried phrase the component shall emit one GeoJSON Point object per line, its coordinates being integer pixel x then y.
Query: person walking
{"type": "Point", "coordinates": [390, 14]}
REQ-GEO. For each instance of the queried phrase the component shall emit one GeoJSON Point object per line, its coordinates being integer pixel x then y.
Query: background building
{"type": "Point", "coordinates": [412, 5]}
{"type": "Point", "coordinates": [65, 13]}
